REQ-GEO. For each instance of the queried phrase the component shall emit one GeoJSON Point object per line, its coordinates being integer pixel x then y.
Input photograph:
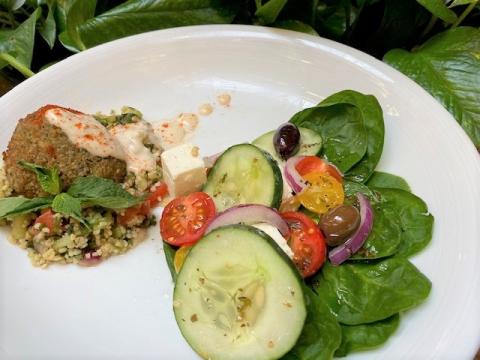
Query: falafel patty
{"type": "Point", "coordinates": [35, 140]}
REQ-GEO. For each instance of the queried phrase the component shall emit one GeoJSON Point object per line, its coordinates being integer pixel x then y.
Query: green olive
{"type": "Point", "coordinates": [339, 223]}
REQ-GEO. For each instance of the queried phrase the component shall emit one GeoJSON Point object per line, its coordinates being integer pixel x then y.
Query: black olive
{"type": "Point", "coordinates": [286, 140]}
{"type": "Point", "coordinates": [339, 223]}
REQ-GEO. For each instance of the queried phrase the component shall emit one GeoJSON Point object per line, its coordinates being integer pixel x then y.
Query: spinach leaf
{"type": "Point", "coordinates": [295, 25]}
{"type": "Point", "coordinates": [448, 67]}
{"type": "Point", "coordinates": [169, 251]}
{"type": "Point", "coordinates": [321, 334]}
{"type": "Point", "coordinates": [16, 46]}
{"type": "Point", "coordinates": [65, 204]}
{"type": "Point", "coordinates": [102, 192]}
{"type": "Point", "coordinates": [386, 235]}
{"type": "Point", "coordinates": [373, 120]}
{"type": "Point", "coordinates": [360, 293]}
{"type": "Point", "coordinates": [415, 221]}
{"type": "Point", "coordinates": [342, 129]}
{"type": "Point", "coordinates": [267, 13]}
{"type": "Point", "coordinates": [385, 180]}
{"type": "Point", "coordinates": [366, 336]}
{"type": "Point", "coordinates": [48, 179]}
{"type": "Point", "coordinates": [350, 188]}
{"type": "Point", "coordinates": [11, 206]}
{"type": "Point", "coordinates": [137, 16]}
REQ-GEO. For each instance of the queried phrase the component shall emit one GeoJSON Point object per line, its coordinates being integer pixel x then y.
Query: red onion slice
{"type": "Point", "coordinates": [250, 214]}
{"type": "Point", "coordinates": [342, 252]}
{"type": "Point", "coordinates": [292, 176]}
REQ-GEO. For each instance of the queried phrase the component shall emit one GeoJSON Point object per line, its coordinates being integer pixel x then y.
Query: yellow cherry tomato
{"type": "Point", "coordinates": [180, 257]}
{"type": "Point", "coordinates": [322, 193]}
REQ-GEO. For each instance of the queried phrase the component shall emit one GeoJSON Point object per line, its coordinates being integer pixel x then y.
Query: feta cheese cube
{"type": "Point", "coordinates": [183, 169]}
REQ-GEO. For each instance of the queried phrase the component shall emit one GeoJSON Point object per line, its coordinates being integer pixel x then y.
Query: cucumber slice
{"type": "Point", "coordinates": [238, 296]}
{"type": "Point", "coordinates": [310, 143]}
{"type": "Point", "coordinates": [244, 174]}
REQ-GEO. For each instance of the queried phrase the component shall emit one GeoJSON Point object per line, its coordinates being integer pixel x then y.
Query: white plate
{"type": "Point", "coordinates": [123, 307]}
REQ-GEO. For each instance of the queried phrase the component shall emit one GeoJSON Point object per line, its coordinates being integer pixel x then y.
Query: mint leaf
{"type": "Point", "coordinates": [65, 204]}
{"type": "Point", "coordinates": [102, 192]}
{"type": "Point", "coordinates": [48, 179]}
{"type": "Point", "coordinates": [19, 205]}
{"type": "Point", "coordinates": [448, 67]}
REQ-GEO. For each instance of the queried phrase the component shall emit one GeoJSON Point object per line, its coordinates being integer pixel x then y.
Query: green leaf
{"type": "Point", "coordinates": [19, 205]}
{"type": "Point", "coordinates": [366, 336]}
{"type": "Point", "coordinates": [359, 293]}
{"type": "Point", "coordinates": [268, 12]}
{"type": "Point", "coordinates": [137, 16]}
{"type": "Point", "coordinates": [385, 180]}
{"type": "Point", "coordinates": [48, 179]}
{"type": "Point", "coordinates": [16, 46]}
{"type": "Point", "coordinates": [11, 5]}
{"type": "Point", "coordinates": [48, 29]}
{"type": "Point", "coordinates": [65, 204]}
{"type": "Point", "coordinates": [102, 192]}
{"type": "Point", "coordinates": [79, 12]}
{"type": "Point", "coordinates": [461, 2]}
{"type": "Point", "coordinates": [342, 130]}
{"type": "Point", "coordinates": [321, 334]}
{"type": "Point", "coordinates": [169, 251]}
{"type": "Point", "coordinates": [373, 121]}
{"type": "Point", "coordinates": [448, 67]}
{"type": "Point", "coordinates": [295, 25]}
{"type": "Point", "coordinates": [415, 221]}
{"type": "Point", "coordinates": [439, 9]}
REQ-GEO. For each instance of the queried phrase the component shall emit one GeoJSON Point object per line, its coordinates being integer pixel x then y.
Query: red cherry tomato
{"type": "Point", "coordinates": [314, 164]}
{"type": "Point", "coordinates": [185, 219]}
{"type": "Point", "coordinates": [306, 241]}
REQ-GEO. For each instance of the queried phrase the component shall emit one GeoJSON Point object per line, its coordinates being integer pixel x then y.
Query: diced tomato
{"type": "Point", "coordinates": [306, 241]}
{"type": "Point", "coordinates": [144, 209]}
{"type": "Point", "coordinates": [315, 164]}
{"type": "Point", "coordinates": [158, 193]}
{"type": "Point", "coordinates": [185, 219]}
{"type": "Point", "coordinates": [47, 219]}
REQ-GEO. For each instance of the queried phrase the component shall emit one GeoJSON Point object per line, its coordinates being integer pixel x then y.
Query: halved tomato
{"type": "Point", "coordinates": [315, 164]}
{"type": "Point", "coordinates": [185, 219]}
{"type": "Point", "coordinates": [306, 241]}
{"type": "Point", "coordinates": [144, 208]}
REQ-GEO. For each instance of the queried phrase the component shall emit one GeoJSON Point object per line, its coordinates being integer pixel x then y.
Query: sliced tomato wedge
{"type": "Point", "coordinates": [306, 241]}
{"type": "Point", "coordinates": [47, 219]}
{"type": "Point", "coordinates": [315, 164]}
{"type": "Point", "coordinates": [144, 208]}
{"type": "Point", "coordinates": [185, 219]}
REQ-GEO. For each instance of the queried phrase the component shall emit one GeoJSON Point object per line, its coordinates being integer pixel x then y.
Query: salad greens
{"type": "Point", "coordinates": [357, 305]}
{"type": "Point", "coordinates": [366, 336]}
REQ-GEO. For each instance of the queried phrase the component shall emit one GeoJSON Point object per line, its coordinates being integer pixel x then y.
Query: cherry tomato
{"type": "Point", "coordinates": [47, 219]}
{"type": "Point", "coordinates": [180, 256]}
{"type": "Point", "coordinates": [144, 208]}
{"type": "Point", "coordinates": [186, 218]}
{"type": "Point", "coordinates": [315, 164]}
{"type": "Point", "coordinates": [322, 193]}
{"type": "Point", "coordinates": [306, 242]}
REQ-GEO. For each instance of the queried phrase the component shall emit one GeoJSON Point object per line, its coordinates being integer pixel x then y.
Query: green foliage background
{"type": "Point", "coordinates": [435, 42]}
